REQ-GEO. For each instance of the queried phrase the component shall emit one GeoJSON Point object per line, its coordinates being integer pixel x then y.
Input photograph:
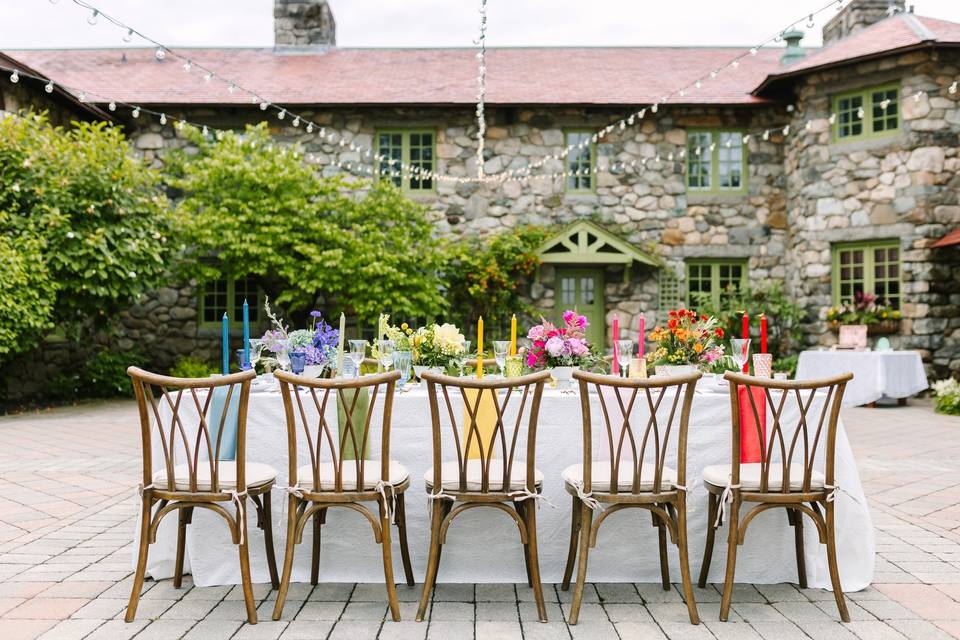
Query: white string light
{"type": "Point", "coordinates": [481, 88]}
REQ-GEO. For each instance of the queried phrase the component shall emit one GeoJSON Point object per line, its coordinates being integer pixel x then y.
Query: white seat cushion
{"type": "Point", "coordinates": [450, 476]}
{"type": "Point", "coordinates": [371, 475]}
{"type": "Point", "coordinates": [600, 480]}
{"type": "Point", "coordinates": [256, 475]}
{"type": "Point", "coordinates": [719, 475]}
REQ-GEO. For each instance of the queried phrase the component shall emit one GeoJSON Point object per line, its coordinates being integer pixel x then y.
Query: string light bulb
{"type": "Point", "coordinates": [860, 112]}
{"type": "Point", "coordinates": [128, 36]}
{"type": "Point", "coordinates": [163, 118]}
{"type": "Point", "coordinates": [309, 127]}
{"type": "Point", "coordinates": [187, 66]}
{"type": "Point", "coordinates": [205, 131]}
{"type": "Point", "coordinates": [753, 51]}
{"type": "Point", "coordinates": [953, 87]}
{"type": "Point", "coordinates": [207, 77]}
{"type": "Point", "coordinates": [296, 121]}
{"type": "Point", "coordinates": [232, 88]}
{"type": "Point", "coordinates": [48, 87]}
{"type": "Point", "coordinates": [82, 97]}
{"type": "Point", "coordinates": [92, 20]}
{"type": "Point", "coordinates": [136, 112]}
{"type": "Point", "coordinates": [14, 77]}
{"type": "Point", "coordinates": [263, 106]}
{"type": "Point", "coordinates": [112, 106]}
{"type": "Point", "coordinates": [160, 54]}
{"type": "Point", "coordinates": [282, 114]}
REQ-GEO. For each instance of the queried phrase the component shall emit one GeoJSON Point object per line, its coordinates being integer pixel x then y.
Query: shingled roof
{"type": "Point", "coordinates": [343, 76]}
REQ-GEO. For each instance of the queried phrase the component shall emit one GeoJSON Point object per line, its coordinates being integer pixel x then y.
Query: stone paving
{"type": "Point", "coordinates": [67, 508]}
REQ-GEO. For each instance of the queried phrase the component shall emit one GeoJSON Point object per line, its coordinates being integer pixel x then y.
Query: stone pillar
{"type": "Point", "coordinates": [303, 24]}
{"type": "Point", "coordinates": [857, 15]}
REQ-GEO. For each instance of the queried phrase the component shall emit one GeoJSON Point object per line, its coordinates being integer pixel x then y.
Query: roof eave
{"type": "Point", "coordinates": [773, 79]}
{"type": "Point", "coordinates": [68, 97]}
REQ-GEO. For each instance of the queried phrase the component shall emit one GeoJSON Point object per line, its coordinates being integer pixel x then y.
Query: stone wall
{"type": "Point", "coordinates": [904, 186]}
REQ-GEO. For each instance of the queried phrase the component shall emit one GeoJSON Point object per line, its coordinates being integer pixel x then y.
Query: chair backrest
{"type": "Point", "coordinates": [308, 405]}
{"type": "Point", "coordinates": [192, 430]}
{"type": "Point", "coordinates": [802, 427]}
{"type": "Point", "coordinates": [663, 405]}
{"type": "Point", "coordinates": [474, 438]}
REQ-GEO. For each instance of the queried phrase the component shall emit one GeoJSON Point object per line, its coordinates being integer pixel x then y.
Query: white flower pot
{"type": "Point", "coordinates": [563, 376]}
{"type": "Point", "coordinates": [671, 370]}
{"type": "Point", "coordinates": [313, 370]}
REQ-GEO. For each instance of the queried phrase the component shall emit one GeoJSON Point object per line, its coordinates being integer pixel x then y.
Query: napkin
{"type": "Point", "coordinates": [358, 419]}
{"type": "Point", "coordinates": [228, 443]}
{"type": "Point", "coordinates": [752, 444]}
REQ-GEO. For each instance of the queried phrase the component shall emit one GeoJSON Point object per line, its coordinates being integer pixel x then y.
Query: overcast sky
{"type": "Point", "coordinates": [407, 23]}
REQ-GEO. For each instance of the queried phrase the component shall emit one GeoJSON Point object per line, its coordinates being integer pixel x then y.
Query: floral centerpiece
{"type": "Point", "coordinates": [318, 343]}
{"type": "Point", "coordinates": [688, 339]}
{"type": "Point", "coordinates": [865, 309]}
{"type": "Point", "coordinates": [439, 346]}
{"type": "Point", "coordinates": [560, 348]}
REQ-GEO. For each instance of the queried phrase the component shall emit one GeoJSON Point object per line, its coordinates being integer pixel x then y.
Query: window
{"type": "Point", "coordinates": [580, 161]}
{"type": "Point", "coordinates": [226, 295]}
{"type": "Point", "coordinates": [409, 147]}
{"type": "Point", "coordinates": [866, 113]}
{"type": "Point", "coordinates": [867, 267]}
{"type": "Point", "coordinates": [713, 280]}
{"type": "Point", "coordinates": [716, 161]}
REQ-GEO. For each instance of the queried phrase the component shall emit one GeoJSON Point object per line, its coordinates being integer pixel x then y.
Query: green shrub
{"type": "Point", "coordinates": [946, 396]}
{"type": "Point", "coordinates": [189, 367]}
{"type": "Point", "coordinates": [103, 375]}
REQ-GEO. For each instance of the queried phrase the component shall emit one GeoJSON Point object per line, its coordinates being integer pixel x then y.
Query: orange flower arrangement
{"type": "Point", "coordinates": [687, 339]}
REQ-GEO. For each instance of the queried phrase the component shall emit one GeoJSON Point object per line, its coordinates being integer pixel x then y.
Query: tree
{"type": "Point", "coordinates": [252, 208]}
{"type": "Point", "coordinates": [94, 212]}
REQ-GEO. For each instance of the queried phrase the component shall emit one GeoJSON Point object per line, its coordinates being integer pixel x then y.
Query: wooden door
{"type": "Point", "coordinates": [581, 289]}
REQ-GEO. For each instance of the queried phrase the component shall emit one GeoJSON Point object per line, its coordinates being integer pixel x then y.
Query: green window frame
{"type": "Point", "coordinates": [866, 113]}
{"type": "Point", "coordinates": [716, 161]}
{"type": "Point", "coordinates": [409, 147]}
{"type": "Point", "coordinates": [709, 279]}
{"type": "Point", "coordinates": [872, 267]}
{"type": "Point", "coordinates": [226, 295]}
{"type": "Point", "coordinates": [580, 161]}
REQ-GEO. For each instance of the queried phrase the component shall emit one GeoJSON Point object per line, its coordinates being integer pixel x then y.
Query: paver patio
{"type": "Point", "coordinates": [67, 506]}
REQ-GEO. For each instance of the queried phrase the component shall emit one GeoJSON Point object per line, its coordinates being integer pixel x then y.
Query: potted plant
{"type": "Point", "coordinates": [560, 349]}
{"type": "Point", "coordinates": [880, 318]}
{"type": "Point", "coordinates": [688, 342]}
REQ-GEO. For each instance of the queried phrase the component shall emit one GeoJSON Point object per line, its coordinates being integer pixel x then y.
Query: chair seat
{"type": "Point", "coordinates": [371, 475]}
{"type": "Point", "coordinates": [256, 475]}
{"type": "Point", "coordinates": [718, 475]}
{"type": "Point", "coordinates": [600, 476]}
{"type": "Point", "coordinates": [450, 476]}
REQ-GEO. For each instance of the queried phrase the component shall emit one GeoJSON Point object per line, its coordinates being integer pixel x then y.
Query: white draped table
{"type": "Point", "coordinates": [876, 374]}
{"type": "Point", "coordinates": [483, 545]}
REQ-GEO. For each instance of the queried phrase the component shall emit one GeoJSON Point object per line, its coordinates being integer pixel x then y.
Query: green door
{"type": "Point", "coordinates": [582, 289]}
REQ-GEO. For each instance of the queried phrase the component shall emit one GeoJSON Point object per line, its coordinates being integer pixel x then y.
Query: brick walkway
{"type": "Point", "coordinates": [65, 556]}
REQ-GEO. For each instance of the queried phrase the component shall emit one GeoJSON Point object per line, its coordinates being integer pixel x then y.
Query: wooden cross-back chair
{"type": "Point", "coordinates": [180, 418]}
{"type": "Point", "coordinates": [795, 472]}
{"type": "Point", "coordinates": [487, 468]}
{"type": "Point", "coordinates": [644, 423]}
{"type": "Point", "coordinates": [335, 479]}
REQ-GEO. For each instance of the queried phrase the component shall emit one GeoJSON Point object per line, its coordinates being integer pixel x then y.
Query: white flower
{"type": "Point", "coordinates": [448, 339]}
{"type": "Point", "coordinates": [16, 187]}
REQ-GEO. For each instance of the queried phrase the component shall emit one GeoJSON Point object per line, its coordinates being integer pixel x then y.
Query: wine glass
{"type": "Point", "coordinates": [500, 350]}
{"type": "Point", "coordinates": [465, 356]}
{"type": "Point", "coordinates": [358, 349]}
{"type": "Point", "coordinates": [740, 351]}
{"type": "Point", "coordinates": [283, 355]}
{"type": "Point", "coordinates": [624, 353]}
{"type": "Point", "coordinates": [385, 352]}
{"type": "Point", "coordinates": [402, 360]}
{"type": "Point", "coordinates": [256, 351]}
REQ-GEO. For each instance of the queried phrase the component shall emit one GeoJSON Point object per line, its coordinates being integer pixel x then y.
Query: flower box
{"type": "Point", "coordinates": [882, 328]}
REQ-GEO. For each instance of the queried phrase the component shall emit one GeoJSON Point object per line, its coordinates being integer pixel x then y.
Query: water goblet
{"type": "Point", "coordinates": [464, 356]}
{"type": "Point", "coordinates": [358, 349]}
{"type": "Point", "coordinates": [283, 355]}
{"type": "Point", "coordinates": [624, 353]}
{"type": "Point", "coordinates": [500, 350]}
{"type": "Point", "coordinates": [298, 361]}
{"type": "Point", "coordinates": [385, 352]}
{"type": "Point", "coordinates": [244, 363]}
{"type": "Point", "coordinates": [740, 351]}
{"type": "Point", "coordinates": [401, 361]}
{"type": "Point", "coordinates": [256, 351]}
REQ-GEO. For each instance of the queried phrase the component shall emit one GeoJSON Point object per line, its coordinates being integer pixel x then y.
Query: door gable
{"type": "Point", "coordinates": [587, 243]}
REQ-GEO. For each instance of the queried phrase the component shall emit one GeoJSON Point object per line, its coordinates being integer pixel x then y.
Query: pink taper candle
{"type": "Point", "coordinates": [615, 366]}
{"type": "Point", "coordinates": [642, 335]}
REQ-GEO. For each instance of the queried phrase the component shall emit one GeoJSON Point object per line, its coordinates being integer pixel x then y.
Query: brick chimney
{"type": "Point", "coordinates": [857, 15]}
{"type": "Point", "coordinates": [303, 25]}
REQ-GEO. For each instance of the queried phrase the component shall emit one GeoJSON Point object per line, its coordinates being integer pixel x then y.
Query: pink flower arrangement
{"type": "Point", "coordinates": [554, 346]}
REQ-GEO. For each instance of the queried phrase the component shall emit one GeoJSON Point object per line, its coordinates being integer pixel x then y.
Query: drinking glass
{"type": "Point", "coordinates": [244, 365]}
{"type": "Point", "coordinates": [256, 351]}
{"type": "Point", "coordinates": [740, 352]}
{"type": "Point", "coordinates": [385, 350]}
{"type": "Point", "coordinates": [624, 353]}
{"type": "Point", "coordinates": [500, 350]}
{"type": "Point", "coordinates": [298, 360]}
{"type": "Point", "coordinates": [464, 356]}
{"type": "Point", "coordinates": [402, 360]}
{"type": "Point", "coordinates": [283, 356]}
{"type": "Point", "coordinates": [358, 349]}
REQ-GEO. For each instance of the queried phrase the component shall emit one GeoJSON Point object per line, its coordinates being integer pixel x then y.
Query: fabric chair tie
{"type": "Point", "coordinates": [726, 496]}
{"type": "Point", "coordinates": [832, 495]}
{"type": "Point", "coordinates": [586, 498]}
{"type": "Point", "coordinates": [240, 499]}
{"type": "Point", "coordinates": [525, 494]}
{"type": "Point", "coordinates": [389, 506]}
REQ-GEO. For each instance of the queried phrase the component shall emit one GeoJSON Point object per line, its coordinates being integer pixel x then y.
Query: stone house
{"type": "Point", "coordinates": [834, 170]}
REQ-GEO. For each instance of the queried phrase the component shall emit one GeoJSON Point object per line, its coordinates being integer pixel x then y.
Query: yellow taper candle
{"type": "Point", "coordinates": [513, 335]}
{"type": "Point", "coordinates": [480, 347]}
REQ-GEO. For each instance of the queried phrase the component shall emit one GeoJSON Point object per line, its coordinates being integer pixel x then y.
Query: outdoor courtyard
{"type": "Point", "coordinates": [68, 508]}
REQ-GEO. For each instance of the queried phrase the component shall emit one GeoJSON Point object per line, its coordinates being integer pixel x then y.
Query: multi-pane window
{"type": "Point", "coordinates": [868, 112]}
{"type": "Point", "coordinates": [226, 295]}
{"type": "Point", "coordinates": [867, 267]}
{"type": "Point", "coordinates": [580, 161]}
{"type": "Point", "coordinates": [714, 280]}
{"type": "Point", "coordinates": [406, 155]}
{"type": "Point", "coordinates": [716, 161]}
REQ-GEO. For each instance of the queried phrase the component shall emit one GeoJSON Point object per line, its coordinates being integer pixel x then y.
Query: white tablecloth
{"type": "Point", "coordinates": [876, 374]}
{"type": "Point", "coordinates": [483, 545]}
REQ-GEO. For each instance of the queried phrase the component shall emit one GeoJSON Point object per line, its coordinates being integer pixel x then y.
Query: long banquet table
{"type": "Point", "coordinates": [483, 545]}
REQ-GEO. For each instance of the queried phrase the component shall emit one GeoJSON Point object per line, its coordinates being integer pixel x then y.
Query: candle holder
{"type": "Point", "coordinates": [638, 368]}
{"type": "Point", "coordinates": [763, 365]}
{"type": "Point", "coordinates": [514, 367]}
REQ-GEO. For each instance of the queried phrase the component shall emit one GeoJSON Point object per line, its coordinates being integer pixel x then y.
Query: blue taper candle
{"type": "Point", "coordinates": [226, 343]}
{"type": "Point", "coordinates": [246, 331]}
